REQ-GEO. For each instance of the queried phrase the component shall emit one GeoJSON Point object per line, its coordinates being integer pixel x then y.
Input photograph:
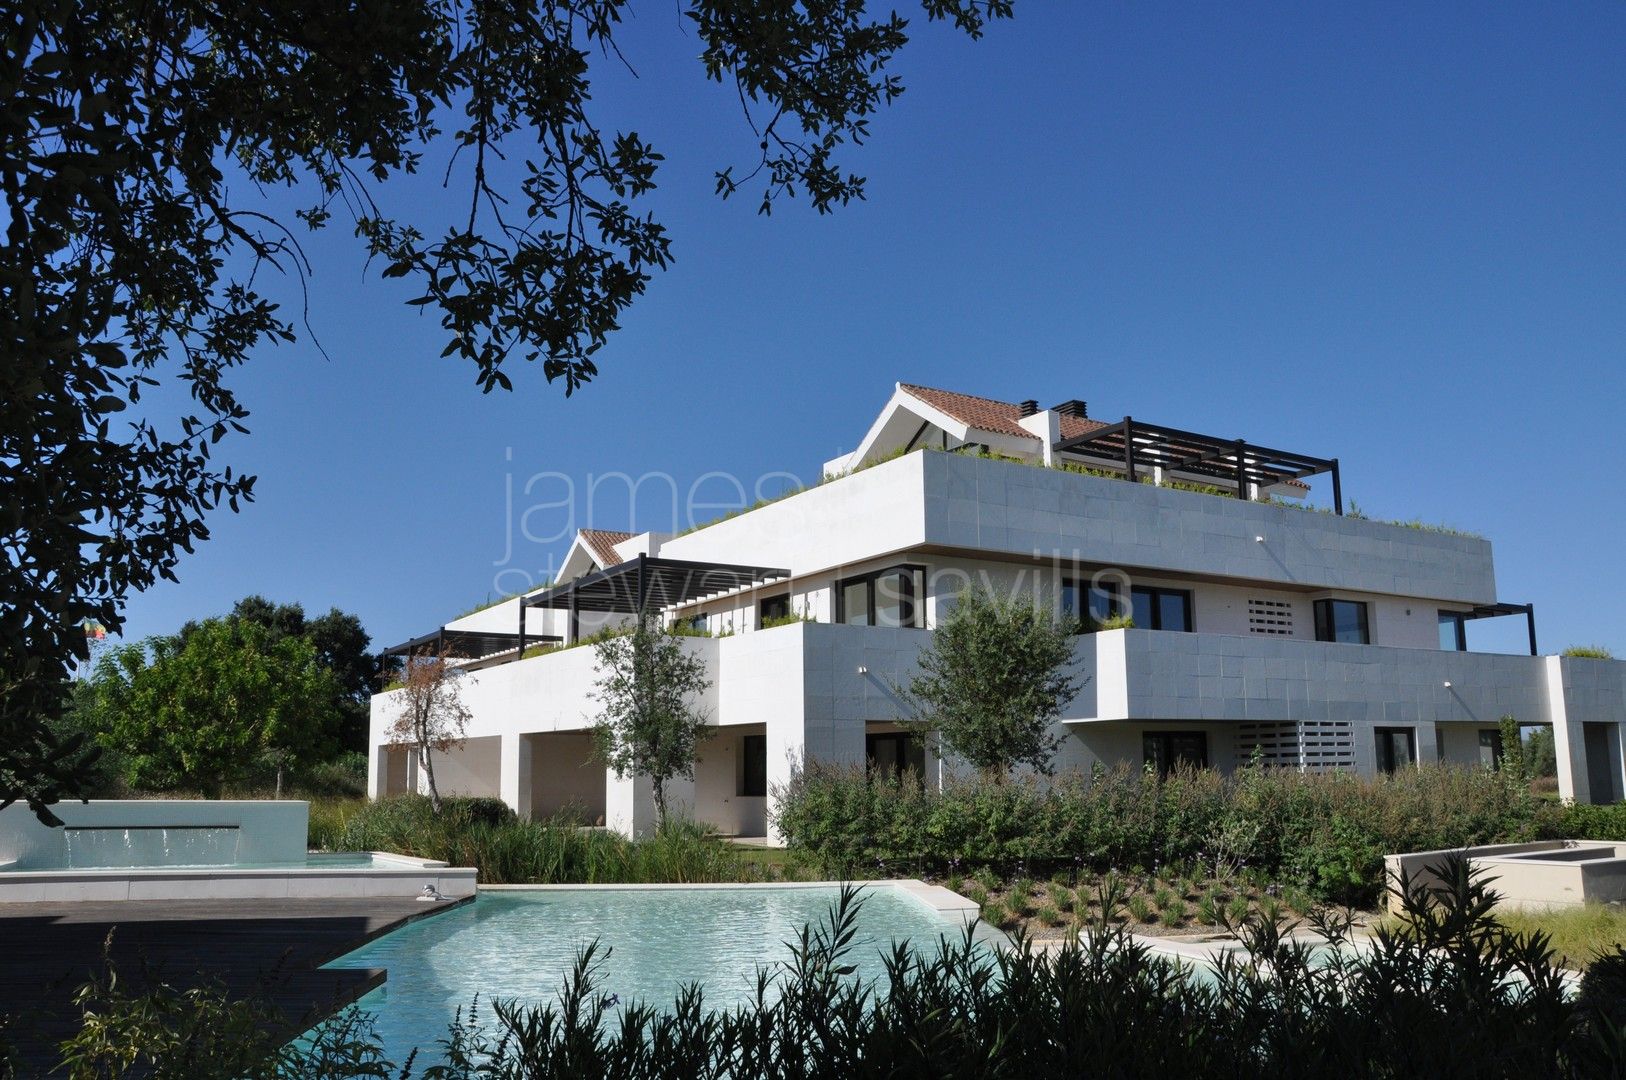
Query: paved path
{"type": "Point", "coordinates": [271, 947]}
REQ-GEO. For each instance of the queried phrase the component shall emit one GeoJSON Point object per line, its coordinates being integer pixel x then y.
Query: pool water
{"type": "Point", "coordinates": [520, 945]}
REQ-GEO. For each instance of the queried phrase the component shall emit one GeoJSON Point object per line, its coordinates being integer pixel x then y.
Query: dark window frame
{"type": "Point", "coordinates": [1156, 593]}
{"type": "Point", "coordinates": [1383, 756]}
{"type": "Point", "coordinates": [1491, 739]}
{"type": "Point", "coordinates": [907, 572]}
{"type": "Point", "coordinates": [763, 614]}
{"type": "Point", "coordinates": [1081, 586]}
{"type": "Point", "coordinates": [907, 745]}
{"type": "Point", "coordinates": [1164, 758]}
{"type": "Point", "coordinates": [750, 777]}
{"type": "Point", "coordinates": [1459, 621]}
{"type": "Point", "coordinates": [1326, 625]}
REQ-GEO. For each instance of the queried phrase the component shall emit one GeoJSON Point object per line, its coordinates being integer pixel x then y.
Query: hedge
{"type": "Point", "coordinates": [1327, 832]}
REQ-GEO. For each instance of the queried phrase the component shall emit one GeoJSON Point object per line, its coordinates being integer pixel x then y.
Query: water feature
{"type": "Point", "coordinates": [157, 845]}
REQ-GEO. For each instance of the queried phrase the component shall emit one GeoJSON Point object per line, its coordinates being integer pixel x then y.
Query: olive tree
{"type": "Point", "coordinates": [993, 680]}
{"type": "Point", "coordinates": [144, 149]}
{"type": "Point", "coordinates": [649, 723]}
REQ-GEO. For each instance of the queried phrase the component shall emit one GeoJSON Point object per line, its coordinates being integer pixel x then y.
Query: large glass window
{"type": "Point", "coordinates": [1343, 621]}
{"type": "Point", "coordinates": [1167, 750]}
{"type": "Point", "coordinates": [894, 754]}
{"type": "Point", "coordinates": [854, 597]}
{"type": "Point", "coordinates": [1453, 631]}
{"type": "Point", "coordinates": [1088, 606]}
{"type": "Point", "coordinates": [753, 765]}
{"type": "Point", "coordinates": [1160, 609]}
{"type": "Point", "coordinates": [892, 597]}
{"type": "Point", "coordinates": [1490, 747]}
{"type": "Point", "coordinates": [1397, 748]}
{"type": "Point", "coordinates": [773, 607]}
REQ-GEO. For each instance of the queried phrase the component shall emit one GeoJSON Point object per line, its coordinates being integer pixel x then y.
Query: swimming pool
{"type": "Point", "coordinates": [518, 945]}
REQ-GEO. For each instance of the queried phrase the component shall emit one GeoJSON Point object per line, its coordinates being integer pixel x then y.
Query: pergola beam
{"type": "Point", "coordinates": [1175, 450]}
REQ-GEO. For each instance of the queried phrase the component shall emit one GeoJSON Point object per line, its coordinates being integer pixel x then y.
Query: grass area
{"type": "Point", "coordinates": [1579, 935]}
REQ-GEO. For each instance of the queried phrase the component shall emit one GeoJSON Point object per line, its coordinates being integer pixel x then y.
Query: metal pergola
{"type": "Point", "coordinates": [1231, 461]}
{"type": "Point", "coordinates": [463, 644]}
{"type": "Point", "coordinates": [1491, 611]}
{"type": "Point", "coordinates": [646, 584]}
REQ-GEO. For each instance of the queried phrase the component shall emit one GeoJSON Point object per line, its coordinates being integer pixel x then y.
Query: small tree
{"type": "Point", "coordinates": [649, 725]}
{"type": "Point", "coordinates": [1512, 749]}
{"type": "Point", "coordinates": [429, 712]}
{"type": "Point", "coordinates": [204, 711]}
{"type": "Point", "coordinates": [993, 680]}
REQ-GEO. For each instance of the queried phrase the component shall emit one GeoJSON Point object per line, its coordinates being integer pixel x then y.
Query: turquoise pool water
{"type": "Point", "coordinates": [519, 945]}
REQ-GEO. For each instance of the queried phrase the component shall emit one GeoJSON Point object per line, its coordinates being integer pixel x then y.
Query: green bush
{"type": "Point", "coordinates": [484, 833]}
{"type": "Point", "coordinates": [1326, 832]}
{"type": "Point", "coordinates": [1585, 822]}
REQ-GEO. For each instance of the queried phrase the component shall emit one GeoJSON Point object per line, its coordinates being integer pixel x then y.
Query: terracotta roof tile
{"type": "Point", "coordinates": [987, 414]}
{"type": "Point", "coordinates": [602, 542]}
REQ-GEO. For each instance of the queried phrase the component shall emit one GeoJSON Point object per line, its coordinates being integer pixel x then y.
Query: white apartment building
{"type": "Point", "coordinates": [1314, 639]}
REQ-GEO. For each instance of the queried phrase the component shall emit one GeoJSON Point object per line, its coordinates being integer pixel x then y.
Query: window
{"type": "Point", "coordinates": [1397, 748]}
{"type": "Point", "coordinates": [1453, 631]}
{"type": "Point", "coordinates": [1161, 609]}
{"type": "Point", "coordinates": [1490, 747]}
{"type": "Point", "coordinates": [753, 765]}
{"type": "Point", "coordinates": [774, 607]}
{"type": "Point", "coordinates": [698, 623]}
{"type": "Point", "coordinates": [891, 597]}
{"type": "Point", "coordinates": [1342, 620]}
{"type": "Point", "coordinates": [1089, 605]}
{"type": "Point", "coordinates": [1166, 750]}
{"type": "Point", "coordinates": [893, 754]}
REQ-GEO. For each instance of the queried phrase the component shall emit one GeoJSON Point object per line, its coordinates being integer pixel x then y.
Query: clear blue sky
{"type": "Point", "coordinates": [1391, 233]}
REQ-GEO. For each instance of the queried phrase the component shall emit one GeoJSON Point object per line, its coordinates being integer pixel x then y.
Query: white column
{"type": "Point", "coordinates": [1111, 673]}
{"type": "Point", "coordinates": [377, 771]}
{"type": "Point", "coordinates": [1569, 741]}
{"type": "Point", "coordinates": [514, 770]}
{"type": "Point", "coordinates": [1428, 742]}
{"type": "Point", "coordinates": [629, 805]}
{"type": "Point", "coordinates": [1046, 424]}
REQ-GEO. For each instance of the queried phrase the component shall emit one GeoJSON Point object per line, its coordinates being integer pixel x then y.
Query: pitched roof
{"type": "Point", "coordinates": [602, 542]}
{"type": "Point", "coordinates": [987, 414]}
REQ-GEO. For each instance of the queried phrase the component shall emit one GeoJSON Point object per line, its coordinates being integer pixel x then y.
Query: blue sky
{"type": "Point", "coordinates": [1392, 234]}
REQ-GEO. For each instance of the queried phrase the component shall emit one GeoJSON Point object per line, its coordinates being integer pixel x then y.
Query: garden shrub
{"type": "Point", "coordinates": [1581, 821]}
{"type": "Point", "coordinates": [485, 833]}
{"type": "Point", "coordinates": [1326, 832]}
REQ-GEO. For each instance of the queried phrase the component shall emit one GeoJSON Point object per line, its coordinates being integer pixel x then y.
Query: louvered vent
{"type": "Point", "coordinates": [1311, 745]}
{"type": "Point", "coordinates": [1273, 617]}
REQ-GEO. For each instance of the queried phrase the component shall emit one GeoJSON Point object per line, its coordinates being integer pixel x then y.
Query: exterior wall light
{"type": "Point", "coordinates": [862, 670]}
{"type": "Point", "coordinates": [1448, 684]}
{"type": "Point", "coordinates": [1259, 539]}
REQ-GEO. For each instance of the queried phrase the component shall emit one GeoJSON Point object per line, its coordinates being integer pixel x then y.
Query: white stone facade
{"type": "Point", "coordinates": [1248, 670]}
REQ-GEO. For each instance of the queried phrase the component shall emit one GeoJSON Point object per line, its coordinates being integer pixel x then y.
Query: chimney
{"type": "Point", "coordinates": [1075, 407]}
{"type": "Point", "coordinates": [1027, 408]}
